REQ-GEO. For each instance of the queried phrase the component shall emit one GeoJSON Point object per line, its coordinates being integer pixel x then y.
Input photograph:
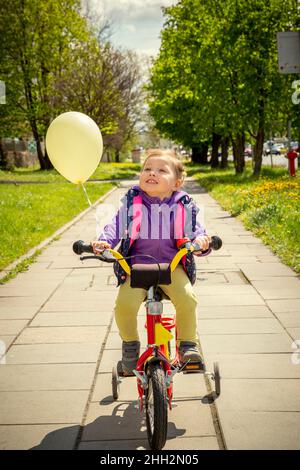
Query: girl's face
{"type": "Point", "coordinates": [158, 178]}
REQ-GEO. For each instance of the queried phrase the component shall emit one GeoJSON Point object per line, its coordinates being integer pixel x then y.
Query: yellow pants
{"type": "Point", "coordinates": [182, 296]}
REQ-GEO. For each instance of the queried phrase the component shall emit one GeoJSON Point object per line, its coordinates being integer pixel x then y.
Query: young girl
{"type": "Point", "coordinates": [159, 186]}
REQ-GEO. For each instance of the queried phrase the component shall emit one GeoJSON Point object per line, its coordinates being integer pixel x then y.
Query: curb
{"type": "Point", "coordinates": [58, 232]}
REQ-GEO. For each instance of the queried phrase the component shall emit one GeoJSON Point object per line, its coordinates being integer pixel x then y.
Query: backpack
{"type": "Point", "coordinates": [134, 201]}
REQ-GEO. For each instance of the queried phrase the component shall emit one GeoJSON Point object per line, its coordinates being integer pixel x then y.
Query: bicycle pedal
{"type": "Point", "coordinates": [192, 367]}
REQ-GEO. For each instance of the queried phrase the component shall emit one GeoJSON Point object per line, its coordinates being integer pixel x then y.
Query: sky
{"type": "Point", "coordinates": [136, 24]}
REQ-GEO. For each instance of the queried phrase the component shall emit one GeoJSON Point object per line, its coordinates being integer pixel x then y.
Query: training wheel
{"type": "Point", "coordinates": [217, 378]}
{"type": "Point", "coordinates": [115, 382]}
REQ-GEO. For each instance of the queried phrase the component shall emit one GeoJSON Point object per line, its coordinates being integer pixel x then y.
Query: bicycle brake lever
{"type": "Point", "coordinates": [82, 258]}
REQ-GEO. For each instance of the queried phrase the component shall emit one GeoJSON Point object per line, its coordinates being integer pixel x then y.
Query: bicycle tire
{"type": "Point", "coordinates": [156, 407]}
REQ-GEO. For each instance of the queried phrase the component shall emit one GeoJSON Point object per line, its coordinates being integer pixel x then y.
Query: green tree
{"type": "Point", "coordinates": [217, 76]}
{"type": "Point", "coordinates": [37, 39]}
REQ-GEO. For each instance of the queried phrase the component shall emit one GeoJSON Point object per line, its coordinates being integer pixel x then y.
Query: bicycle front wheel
{"type": "Point", "coordinates": [156, 407]}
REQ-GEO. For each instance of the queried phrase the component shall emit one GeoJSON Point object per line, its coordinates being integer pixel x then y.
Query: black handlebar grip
{"type": "Point", "coordinates": [79, 247]}
{"type": "Point", "coordinates": [215, 242]}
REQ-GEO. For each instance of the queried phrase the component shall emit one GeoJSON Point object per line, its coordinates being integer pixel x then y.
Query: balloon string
{"type": "Point", "coordinates": [84, 190]}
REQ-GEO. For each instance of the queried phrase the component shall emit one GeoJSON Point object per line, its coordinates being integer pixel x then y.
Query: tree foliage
{"type": "Point", "coordinates": [216, 75]}
{"type": "Point", "coordinates": [54, 58]}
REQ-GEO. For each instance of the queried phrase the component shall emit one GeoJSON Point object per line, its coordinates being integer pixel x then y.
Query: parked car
{"type": "Point", "coordinates": [295, 146]}
{"type": "Point", "coordinates": [248, 151]}
{"type": "Point", "coordinates": [271, 147]}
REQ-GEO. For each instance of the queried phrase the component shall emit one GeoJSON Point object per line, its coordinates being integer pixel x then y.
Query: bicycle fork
{"type": "Point", "coordinates": [157, 349]}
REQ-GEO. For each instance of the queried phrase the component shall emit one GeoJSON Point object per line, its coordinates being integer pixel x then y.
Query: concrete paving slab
{"type": "Point", "coordinates": [109, 359]}
{"type": "Point", "coordinates": [284, 305]}
{"type": "Point", "coordinates": [57, 353]}
{"type": "Point", "coordinates": [46, 377]}
{"type": "Point", "coordinates": [267, 259]}
{"type": "Point", "coordinates": [12, 327]}
{"type": "Point", "coordinates": [38, 437]}
{"type": "Point", "coordinates": [257, 271]}
{"type": "Point", "coordinates": [106, 420]}
{"type": "Point", "coordinates": [258, 395]}
{"type": "Point", "coordinates": [68, 334]}
{"type": "Point", "coordinates": [42, 407]}
{"type": "Point", "coordinates": [254, 366]}
{"type": "Point", "coordinates": [291, 319]}
{"type": "Point", "coordinates": [294, 332]}
{"type": "Point", "coordinates": [184, 443]}
{"type": "Point", "coordinates": [103, 389]}
{"type": "Point", "coordinates": [72, 319]}
{"type": "Point", "coordinates": [39, 267]}
{"type": "Point", "coordinates": [224, 290]}
{"type": "Point", "coordinates": [133, 444]}
{"type": "Point", "coordinates": [233, 311]}
{"type": "Point", "coordinates": [254, 299]}
{"type": "Point", "coordinates": [245, 344]}
{"type": "Point", "coordinates": [81, 296]}
{"type": "Point", "coordinates": [186, 386]}
{"type": "Point", "coordinates": [261, 430]}
{"type": "Point", "coordinates": [33, 301]}
{"type": "Point", "coordinates": [239, 326]}
{"type": "Point", "coordinates": [25, 291]}
{"type": "Point", "coordinates": [72, 306]}
{"type": "Point", "coordinates": [17, 313]}
{"type": "Point", "coordinates": [282, 288]}
{"type": "Point", "coordinates": [113, 341]}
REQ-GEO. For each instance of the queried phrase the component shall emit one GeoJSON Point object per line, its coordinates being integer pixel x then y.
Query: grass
{"type": "Point", "coordinates": [31, 213]}
{"type": "Point", "coordinates": [104, 171]}
{"type": "Point", "coordinates": [269, 206]}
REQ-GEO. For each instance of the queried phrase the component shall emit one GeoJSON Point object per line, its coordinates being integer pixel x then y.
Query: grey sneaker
{"type": "Point", "coordinates": [188, 351]}
{"type": "Point", "coordinates": [130, 355]}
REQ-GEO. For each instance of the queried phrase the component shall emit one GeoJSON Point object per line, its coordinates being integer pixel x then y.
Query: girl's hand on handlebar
{"type": "Point", "coordinates": [99, 246]}
{"type": "Point", "coordinates": [203, 243]}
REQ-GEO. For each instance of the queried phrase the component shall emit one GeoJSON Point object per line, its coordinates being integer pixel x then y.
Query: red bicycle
{"type": "Point", "coordinates": [155, 368]}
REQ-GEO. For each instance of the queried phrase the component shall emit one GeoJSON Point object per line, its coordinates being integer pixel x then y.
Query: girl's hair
{"type": "Point", "coordinates": [169, 155]}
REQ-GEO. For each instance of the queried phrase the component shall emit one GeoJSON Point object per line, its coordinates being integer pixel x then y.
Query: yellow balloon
{"type": "Point", "coordinates": [74, 145]}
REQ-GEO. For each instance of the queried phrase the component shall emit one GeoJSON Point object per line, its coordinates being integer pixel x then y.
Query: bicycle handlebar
{"type": "Point", "coordinates": [184, 245]}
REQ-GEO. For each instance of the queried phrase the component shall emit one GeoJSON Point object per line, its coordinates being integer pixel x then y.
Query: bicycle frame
{"type": "Point", "coordinates": [157, 347]}
{"type": "Point", "coordinates": [155, 351]}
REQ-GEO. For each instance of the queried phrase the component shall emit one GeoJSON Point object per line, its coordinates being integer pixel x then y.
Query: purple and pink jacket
{"type": "Point", "coordinates": [154, 226]}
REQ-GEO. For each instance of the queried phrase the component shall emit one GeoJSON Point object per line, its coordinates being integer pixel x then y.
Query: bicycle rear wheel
{"type": "Point", "coordinates": [156, 407]}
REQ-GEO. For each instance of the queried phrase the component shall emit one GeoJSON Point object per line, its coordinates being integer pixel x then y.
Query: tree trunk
{"type": "Point", "coordinates": [199, 153]}
{"type": "Point", "coordinates": [2, 158]}
{"type": "Point", "coordinates": [238, 146]}
{"type": "Point", "coordinates": [224, 147]}
{"type": "Point", "coordinates": [117, 155]}
{"type": "Point", "coordinates": [38, 145]}
{"type": "Point", "coordinates": [48, 162]}
{"type": "Point", "coordinates": [258, 148]}
{"type": "Point", "coordinates": [216, 140]}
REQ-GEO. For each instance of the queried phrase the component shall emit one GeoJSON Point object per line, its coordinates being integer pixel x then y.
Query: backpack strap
{"type": "Point", "coordinates": [137, 212]}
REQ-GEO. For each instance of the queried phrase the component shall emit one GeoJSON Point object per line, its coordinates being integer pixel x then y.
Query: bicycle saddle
{"type": "Point", "coordinates": [146, 275]}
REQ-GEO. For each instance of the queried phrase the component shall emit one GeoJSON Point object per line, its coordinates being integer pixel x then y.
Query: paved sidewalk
{"type": "Point", "coordinates": [56, 321]}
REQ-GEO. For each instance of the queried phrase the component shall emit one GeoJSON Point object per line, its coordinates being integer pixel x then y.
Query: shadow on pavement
{"type": "Point", "coordinates": [119, 421]}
